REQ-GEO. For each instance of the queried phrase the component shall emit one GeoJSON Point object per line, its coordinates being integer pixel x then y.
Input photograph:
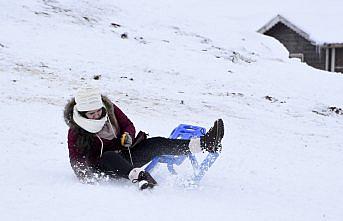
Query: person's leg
{"type": "Point", "coordinates": [157, 146]}
{"type": "Point", "coordinates": [115, 165]}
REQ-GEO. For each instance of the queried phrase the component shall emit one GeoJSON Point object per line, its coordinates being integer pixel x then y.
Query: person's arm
{"type": "Point", "coordinates": [78, 162]}
{"type": "Point", "coordinates": [124, 122]}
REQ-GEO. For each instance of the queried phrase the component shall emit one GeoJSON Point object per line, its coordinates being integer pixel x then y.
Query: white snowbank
{"type": "Point", "coordinates": [282, 150]}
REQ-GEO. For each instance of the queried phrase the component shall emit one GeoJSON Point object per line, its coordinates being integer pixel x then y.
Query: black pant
{"type": "Point", "coordinates": [119, 164]}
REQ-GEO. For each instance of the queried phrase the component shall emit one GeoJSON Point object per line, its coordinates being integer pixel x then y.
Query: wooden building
{"type": "Point", "coordinates": [325, 56]}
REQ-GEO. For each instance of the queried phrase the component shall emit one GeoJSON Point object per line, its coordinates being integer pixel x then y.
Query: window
{"type": "Point", "coordinates": [297, 55]}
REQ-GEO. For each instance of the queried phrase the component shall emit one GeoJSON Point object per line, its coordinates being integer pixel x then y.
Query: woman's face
{"type": "Point", "coordinates": [94, 114]}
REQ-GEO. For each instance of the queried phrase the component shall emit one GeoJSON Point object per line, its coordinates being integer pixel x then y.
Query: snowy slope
{"type": "Point", "coordinates": [182, 62]}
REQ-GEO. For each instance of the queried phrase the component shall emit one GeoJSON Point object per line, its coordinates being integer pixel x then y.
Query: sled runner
{"type": "Point", "coordinates": [184, 131]}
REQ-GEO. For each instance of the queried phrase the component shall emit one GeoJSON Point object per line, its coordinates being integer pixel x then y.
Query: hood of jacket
{"type": "Point", "coordinates": [68, 112]}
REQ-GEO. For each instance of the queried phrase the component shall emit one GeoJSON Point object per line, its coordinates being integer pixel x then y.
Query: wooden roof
{"type": "Point", "coordinates": [283, 20]}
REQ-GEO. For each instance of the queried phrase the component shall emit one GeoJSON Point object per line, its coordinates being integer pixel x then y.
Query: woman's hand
{"type": "Point", "coordinates": [126, 140]}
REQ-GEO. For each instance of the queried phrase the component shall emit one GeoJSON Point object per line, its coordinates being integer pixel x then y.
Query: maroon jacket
{"type": "Point", "coordinates": [84, 162]}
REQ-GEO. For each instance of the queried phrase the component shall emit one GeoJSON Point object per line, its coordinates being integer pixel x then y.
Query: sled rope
{"type": "Point", "coordinates": [116, 136]}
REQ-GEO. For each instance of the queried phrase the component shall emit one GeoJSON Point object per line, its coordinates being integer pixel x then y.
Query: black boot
{"type": "Point", "coordinates": [211, 141]}
{"type": "Point", "coordinates": [143, 178]}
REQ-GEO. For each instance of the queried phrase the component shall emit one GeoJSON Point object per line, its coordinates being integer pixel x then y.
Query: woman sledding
{"type": "Point", "coordinates": [101, 140]}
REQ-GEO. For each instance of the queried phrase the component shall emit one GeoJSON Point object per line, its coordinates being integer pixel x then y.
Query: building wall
{"type": "Point", "coordinates": [339, 60]}
{"type": "Point", "coordinates": [295, 43]}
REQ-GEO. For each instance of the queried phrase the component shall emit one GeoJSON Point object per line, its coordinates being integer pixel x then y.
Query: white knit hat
{"type": "Point", "coordinates": [88, 99]}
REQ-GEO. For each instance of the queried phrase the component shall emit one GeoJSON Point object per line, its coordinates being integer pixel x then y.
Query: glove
{"type": "Point", "coordinates": [126, 140]}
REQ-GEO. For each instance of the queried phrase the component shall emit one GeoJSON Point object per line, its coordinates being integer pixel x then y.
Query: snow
{"type": "Point", "coordinates": [282, 156]}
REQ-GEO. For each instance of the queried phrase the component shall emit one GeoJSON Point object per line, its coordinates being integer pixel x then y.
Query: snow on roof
{"type": "Point", "coordinates": [315, 28]}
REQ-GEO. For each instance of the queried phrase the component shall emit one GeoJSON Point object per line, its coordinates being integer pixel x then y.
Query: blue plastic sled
{"type": "Point", "coordinates": [184, 131]}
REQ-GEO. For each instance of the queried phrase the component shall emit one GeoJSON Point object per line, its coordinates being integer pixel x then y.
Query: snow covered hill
{"type": "Point", "coordinates": [165, 63]}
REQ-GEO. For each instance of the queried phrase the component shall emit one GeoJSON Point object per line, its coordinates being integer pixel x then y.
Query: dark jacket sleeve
{"type": "Point", "coordinates": [78, 162]}
{"type": "Point", "coordinates": [124, 122]}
